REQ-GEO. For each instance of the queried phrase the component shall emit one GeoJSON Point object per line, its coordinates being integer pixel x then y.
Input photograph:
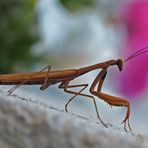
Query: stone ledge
{"type": "Point", "coordinates": [28, 123]}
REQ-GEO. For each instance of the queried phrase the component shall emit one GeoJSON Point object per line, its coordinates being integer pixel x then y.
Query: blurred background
{"type": "Point", "coordinates": [76, 33]}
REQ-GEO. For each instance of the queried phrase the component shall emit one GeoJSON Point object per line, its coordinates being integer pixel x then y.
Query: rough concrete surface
{"type": "Point", "coordinates": [28, 123]}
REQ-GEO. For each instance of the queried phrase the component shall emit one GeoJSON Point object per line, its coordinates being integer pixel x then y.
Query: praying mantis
{"type": "Point", "coordinates": [64, 77]}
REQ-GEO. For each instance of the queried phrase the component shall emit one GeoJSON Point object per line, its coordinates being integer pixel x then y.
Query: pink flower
{"type": "Point", "coordinates": [135, 73]}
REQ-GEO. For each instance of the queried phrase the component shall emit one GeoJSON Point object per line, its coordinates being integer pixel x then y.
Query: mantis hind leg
{"type": "Point", "coordinates": [43, 86]}
{"type": "Point", "coordinates": [111, 100]}
{"type": "Point", "coordinates": [65, 86]}
{"type": "Point", "coordinates": [46, 83]}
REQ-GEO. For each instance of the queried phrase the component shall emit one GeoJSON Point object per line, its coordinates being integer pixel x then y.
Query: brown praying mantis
{"type": "Point", "coordinates": [64, 77]}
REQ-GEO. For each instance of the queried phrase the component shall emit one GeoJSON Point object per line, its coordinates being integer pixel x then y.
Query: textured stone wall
{"type": "Point", "coordinates": [28, 123]}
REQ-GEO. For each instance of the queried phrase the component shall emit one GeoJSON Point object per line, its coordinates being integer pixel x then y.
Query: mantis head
{"type": "Point", "coordinates": [120, 64]}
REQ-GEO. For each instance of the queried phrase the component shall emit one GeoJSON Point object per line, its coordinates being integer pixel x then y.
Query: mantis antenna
{"type": "Point", "coordinates": [137, 53]}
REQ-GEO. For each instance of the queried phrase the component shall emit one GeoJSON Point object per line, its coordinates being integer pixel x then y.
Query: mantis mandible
{"type": "Point", "coordinates": [64, 77]}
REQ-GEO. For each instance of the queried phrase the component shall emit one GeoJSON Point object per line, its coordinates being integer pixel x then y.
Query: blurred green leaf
{"type": "Point", "coordinates": [76, 5]}
{"type": "Point", "coordinates": [18, 32]}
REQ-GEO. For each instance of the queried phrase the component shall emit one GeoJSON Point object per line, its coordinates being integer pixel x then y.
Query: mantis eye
{"type": "Point", "coordinates": [120, 64]}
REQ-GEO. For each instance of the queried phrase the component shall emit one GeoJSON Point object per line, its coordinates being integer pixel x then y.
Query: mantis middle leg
{"type": "Point", "coordinates": [65, 86]}
{"type": "Point", "coordinates": [111, 100]}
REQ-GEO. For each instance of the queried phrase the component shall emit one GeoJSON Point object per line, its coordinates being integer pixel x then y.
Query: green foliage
{"type": "Point", "coordinates": [17, 33]}
{"type": "Point", "coordinates": [76, 5]}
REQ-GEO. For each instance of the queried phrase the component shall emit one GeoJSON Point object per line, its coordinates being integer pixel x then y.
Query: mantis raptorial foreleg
{"type": "Point", "coordinates": [43, 86]}
{"type": "Point", "coordinates": [111, 100]}
{"type": "Point", "coordinates": [65, 86]}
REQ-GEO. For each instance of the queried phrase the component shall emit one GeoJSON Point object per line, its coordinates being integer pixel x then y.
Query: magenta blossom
{"type": "Point", "coordinates": [134, 77]}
